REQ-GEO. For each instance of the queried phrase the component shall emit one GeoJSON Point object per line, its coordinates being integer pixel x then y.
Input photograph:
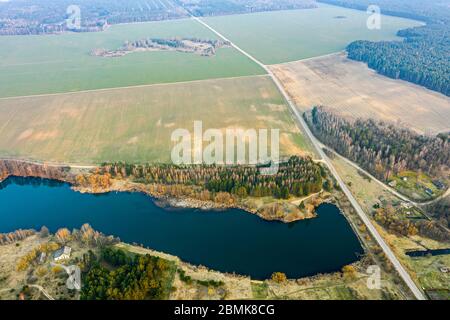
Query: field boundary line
{"type": "Point", "coordinates": [131, 87]}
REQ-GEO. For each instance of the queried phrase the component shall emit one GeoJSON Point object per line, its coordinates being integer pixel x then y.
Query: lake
{"type": "Point", "coordinates": [228, 240]}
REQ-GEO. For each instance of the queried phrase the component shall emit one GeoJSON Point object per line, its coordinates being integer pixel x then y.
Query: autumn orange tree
{"type": "Point", "coordinates": [279, 277]}
{"type": "Point", "coordinates": [349, 272]}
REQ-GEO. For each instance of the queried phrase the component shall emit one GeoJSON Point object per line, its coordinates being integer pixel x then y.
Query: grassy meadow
{"type": "Point", "coordinates": [283, 36]}
{"type": "Point", "coordinates": [31, 65]}
{"type": "Point", "coordinates": [135, 124]}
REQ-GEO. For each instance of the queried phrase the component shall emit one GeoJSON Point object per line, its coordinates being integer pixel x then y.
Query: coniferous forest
{"type": "Point", "coordinates": [132, 278]}
{"type": "Point", "coordinates": [422, 57]}
{"type": "Point", "coordinates": [298, 176]}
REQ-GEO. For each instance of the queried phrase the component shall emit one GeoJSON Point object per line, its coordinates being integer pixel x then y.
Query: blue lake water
{"type": "Point", "coordinates": [228, 241]}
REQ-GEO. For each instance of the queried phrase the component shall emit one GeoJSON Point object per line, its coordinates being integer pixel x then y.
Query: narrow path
{"type": "Point", "coordinates": [43, 291]}
{"type": "Point", "coordinates": [386, 249]}
{"type": "Point", "coordinates": [298, 201]}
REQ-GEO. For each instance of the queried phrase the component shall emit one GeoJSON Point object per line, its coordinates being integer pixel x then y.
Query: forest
{"type": "Point", "coordinates": [11, 237]}
{"type": "Point", "coordinates": [298, 176]}
{"type": "Point", "coordinates": [383, 149]}
{"type": "Point", "coordinates": [422, 57]}
{"type": "Point", "coordinates": [49, 16]}
{"type": "Point", "coordinates": [127, 277]}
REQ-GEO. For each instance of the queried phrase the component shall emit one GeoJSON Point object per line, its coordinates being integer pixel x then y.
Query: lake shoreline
{"type": "Point", "coordinates": [68, 174]}
{"type": "Point", "coordinates": [193, 284]}
{"type": "Point", "coordinates": [231, 241]}
{"type": "Point", "coordinates": [164, 200]}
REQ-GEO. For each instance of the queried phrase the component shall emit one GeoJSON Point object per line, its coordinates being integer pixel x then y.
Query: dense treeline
{"type": "Point", "coordinates": [298, 176]}
{"type": "Point", "coordinates": [428, 11]}
{"type": "Point", "coordinates": [133, 278]}
{"type": "Point", "coordinates": [382, 149]}
{"type": "Point", "coordinates": [11, 237]}
{"type": "Point", "coordinates": [174, 42]}
{"type": "Point", "coordinates": [49, 16]}
{"type": "Point", "coordinates": [423, 56]}
{"type": "Point", "coordinates": [421, 61]}
{"type": "Point", "coordinates": [115, 257]}
{"type": "Point", "coordinates": [21, 168]}
{"type": "Point", "coordinates": [440, 210]}
{"type": "Point", "coordinates": [204, 47]}
{"type": "Point", "coordinates": [222, 7]}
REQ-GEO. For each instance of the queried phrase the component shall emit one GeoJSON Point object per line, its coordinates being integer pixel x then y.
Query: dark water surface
{"type": "Point", "coordinates": [229, 240]}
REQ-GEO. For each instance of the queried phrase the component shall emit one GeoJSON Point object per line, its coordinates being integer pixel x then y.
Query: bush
{"type": "Point", "coordinates": [279, 277]}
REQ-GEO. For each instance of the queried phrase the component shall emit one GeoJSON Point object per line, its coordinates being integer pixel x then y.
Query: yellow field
{"type": "Point", "coordinates": [356, 91]}
{"type": "Point", "coordinates": [135, 124]}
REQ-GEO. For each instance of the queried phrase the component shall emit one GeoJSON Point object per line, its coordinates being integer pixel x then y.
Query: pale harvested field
{"type": "Point", "coordinates": [135, 124]}
{"type": "Point", "coordinates": [357, 91]}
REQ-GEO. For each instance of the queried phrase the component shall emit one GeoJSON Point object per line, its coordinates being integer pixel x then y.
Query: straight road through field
{"type": "Point", "coordinates": [386, 249]}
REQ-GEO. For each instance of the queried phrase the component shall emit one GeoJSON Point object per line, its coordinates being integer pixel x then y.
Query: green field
{"type": "Point", "coordinates": [282, 36]}
{"type": "Point", "coordinates": [62, 63]}
{"type": "Point", "coordinates": [135, 124]}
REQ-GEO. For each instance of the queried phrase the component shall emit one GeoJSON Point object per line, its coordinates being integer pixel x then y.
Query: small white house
{"type": "Point", "coordinates": [62, 254]}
